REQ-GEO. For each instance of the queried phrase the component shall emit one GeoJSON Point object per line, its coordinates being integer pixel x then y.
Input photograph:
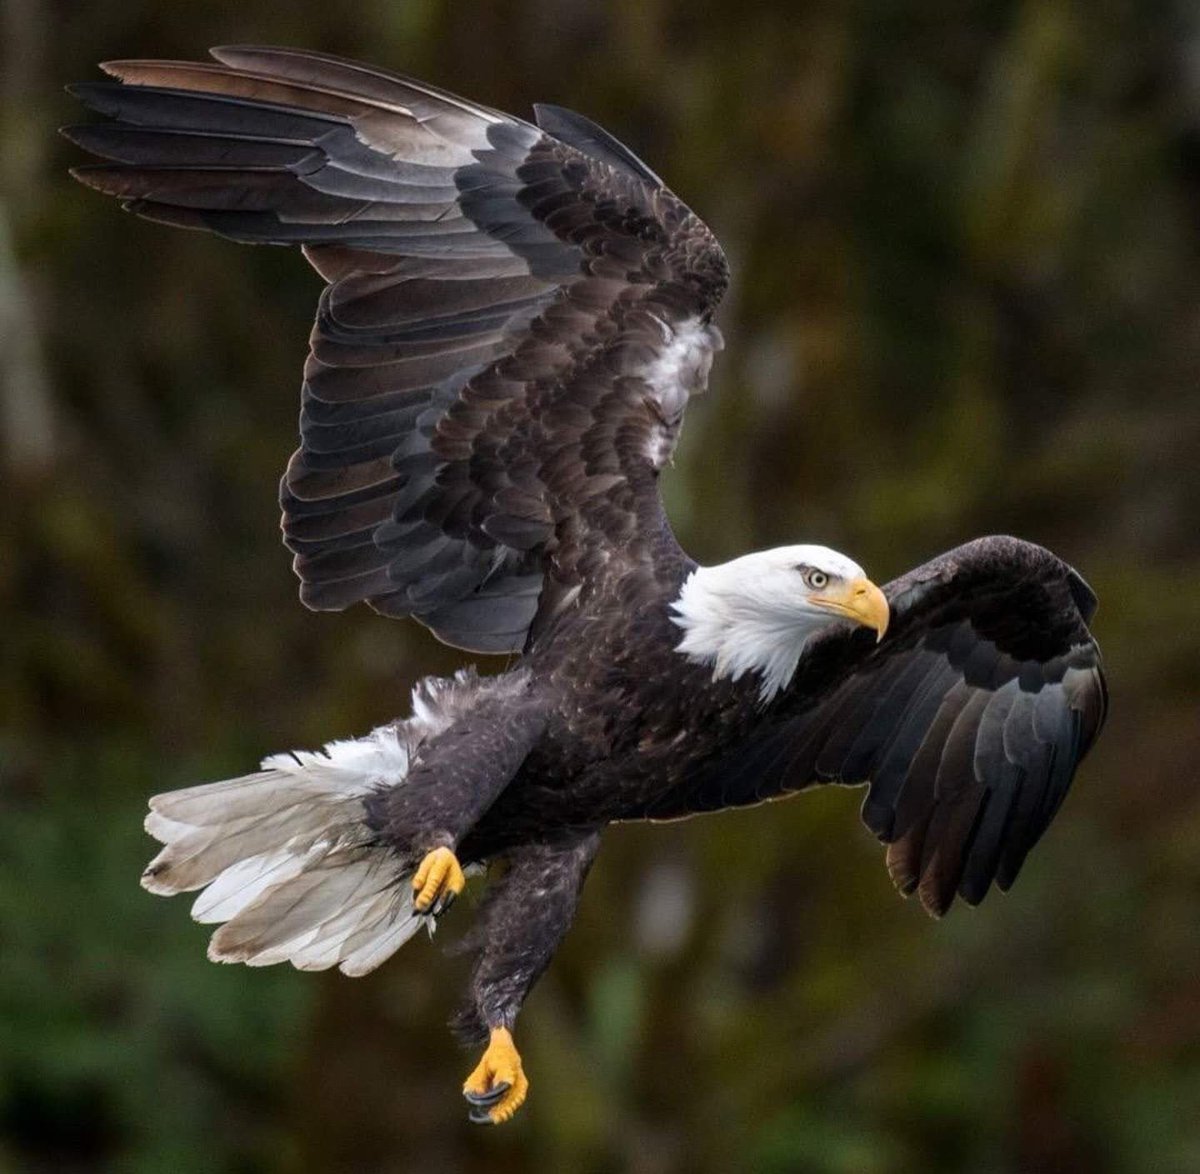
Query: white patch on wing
{"type": "Point", "coordinates": [753, 615]}
{"type": "Point", "coordinates": [678, 371]}
{"type": "Point", "coordinates": [661, 446]}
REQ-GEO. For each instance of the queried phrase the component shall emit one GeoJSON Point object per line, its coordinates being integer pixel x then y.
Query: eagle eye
{"type": "Point", "coordinates": [814, 579]}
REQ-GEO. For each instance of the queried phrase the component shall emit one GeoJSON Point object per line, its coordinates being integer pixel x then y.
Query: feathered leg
{"type": "Point", "coordinates": [524, 917]}
{"type": "Point", "coordinates": [450, 785]}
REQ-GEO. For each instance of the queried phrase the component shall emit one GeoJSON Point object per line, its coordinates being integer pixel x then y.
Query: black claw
{"type": "Point", "coordinates": [439, 906]}
{"type": "Point", "coordinates": [479, 1117]}
{"type": "Point", "coordinates": [489, 1098]}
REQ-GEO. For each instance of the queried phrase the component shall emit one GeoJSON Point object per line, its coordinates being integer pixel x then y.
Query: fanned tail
{"type": "Point", "coordinates": [287, 861]}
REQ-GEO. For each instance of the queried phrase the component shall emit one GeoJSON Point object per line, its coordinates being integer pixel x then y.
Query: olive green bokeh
{"type": "Point", "coordinates": [965, 247]}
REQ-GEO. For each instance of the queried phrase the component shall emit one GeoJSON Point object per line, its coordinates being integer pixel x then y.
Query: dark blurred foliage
{"type": "Point", "coordinates": [965, 242]}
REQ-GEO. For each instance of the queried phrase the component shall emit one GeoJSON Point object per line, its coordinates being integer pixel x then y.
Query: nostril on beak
{"type": "Point", "coordinates": [860, 590]}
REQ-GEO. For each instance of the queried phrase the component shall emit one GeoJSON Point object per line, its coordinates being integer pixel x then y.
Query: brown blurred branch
{"type": "Point", "coordinates": [26, 418]}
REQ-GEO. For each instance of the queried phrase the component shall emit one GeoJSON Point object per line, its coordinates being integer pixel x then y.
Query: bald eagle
{"type": "Point", "coordinates": [514, 318]}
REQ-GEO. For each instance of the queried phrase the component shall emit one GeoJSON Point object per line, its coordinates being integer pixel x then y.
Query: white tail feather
{"type": "Point", "coordinates": [241, 884]}
{"type": "Point", "coordinates": [285, 858]}
{"type": "Point", "coordinates": [323, 916]}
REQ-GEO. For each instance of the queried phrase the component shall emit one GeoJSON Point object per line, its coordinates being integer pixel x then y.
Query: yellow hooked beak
{"type": "Point", "coordinates": [859, 600]}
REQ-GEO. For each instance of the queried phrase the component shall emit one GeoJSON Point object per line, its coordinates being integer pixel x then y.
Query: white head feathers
{"type": "Point", "coordinates": [753, 614]}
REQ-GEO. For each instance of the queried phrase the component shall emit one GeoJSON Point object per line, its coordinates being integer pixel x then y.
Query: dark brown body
{"type": "Point", "coordinates": [631, 721]}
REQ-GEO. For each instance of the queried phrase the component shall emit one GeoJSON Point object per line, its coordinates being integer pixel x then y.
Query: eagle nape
{"type": "Point", "coordinates": [515, 317]}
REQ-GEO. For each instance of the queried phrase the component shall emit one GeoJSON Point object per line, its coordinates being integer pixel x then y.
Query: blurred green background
{"type": "Point", "coordinates": [967, 299]}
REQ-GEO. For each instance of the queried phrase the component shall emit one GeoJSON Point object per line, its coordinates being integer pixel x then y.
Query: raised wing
{"type": "Point", "coordinates": [968, 720]}
{"type": "Point", "coordinates": [512, 325]}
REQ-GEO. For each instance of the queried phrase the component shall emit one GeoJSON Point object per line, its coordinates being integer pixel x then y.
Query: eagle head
{"type": "Point", "coordinates": [757, 613]}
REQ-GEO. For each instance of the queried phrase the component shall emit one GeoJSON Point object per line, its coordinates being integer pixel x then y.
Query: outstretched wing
{"type": "Point", "coordinates": [968, 720]}
{"type": "Point", "coordinates": [513, 322]}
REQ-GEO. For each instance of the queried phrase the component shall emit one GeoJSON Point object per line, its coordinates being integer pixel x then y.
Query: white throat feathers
{"type": "Point", "coordinates": [754, 614]}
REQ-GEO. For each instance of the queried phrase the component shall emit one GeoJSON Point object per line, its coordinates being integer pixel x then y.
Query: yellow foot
{"type": "Point", "coordinates": [438, 881]}
{"type": "Point", "coordinates": [497, 1088]}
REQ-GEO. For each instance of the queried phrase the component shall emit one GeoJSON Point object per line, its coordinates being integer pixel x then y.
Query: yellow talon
{"type": "Point", "coordinates": [438, 880]}
{"type": "Point", "coordinates": [498, 1086]}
